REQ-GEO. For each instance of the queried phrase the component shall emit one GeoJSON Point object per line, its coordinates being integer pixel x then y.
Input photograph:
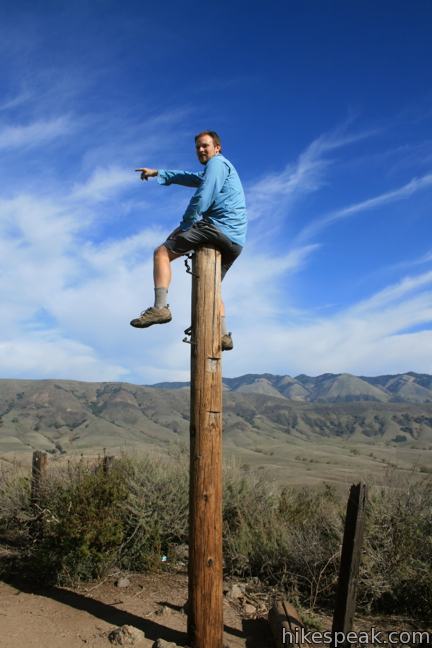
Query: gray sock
{"type": "Point", "coordinates": [161, 296]}
{"type": "Point", "coordinates": [223, 325]}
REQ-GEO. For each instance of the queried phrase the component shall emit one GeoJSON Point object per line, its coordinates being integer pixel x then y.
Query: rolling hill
{"type": "Point", "coordinates": [70, 416]}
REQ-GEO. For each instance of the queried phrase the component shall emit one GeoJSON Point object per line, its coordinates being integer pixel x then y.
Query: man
{"type": "Point", "coordinates": [216, 214]}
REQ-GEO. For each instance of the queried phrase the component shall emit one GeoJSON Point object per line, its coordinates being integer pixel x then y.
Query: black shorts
{"type": "Point", "coordinates": [199, 234]}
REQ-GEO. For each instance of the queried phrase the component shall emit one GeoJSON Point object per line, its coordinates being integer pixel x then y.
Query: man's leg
{"type": "Point", "coordinates": [162, 274]}
{"type": "Point", "coordinates": [160, 312]}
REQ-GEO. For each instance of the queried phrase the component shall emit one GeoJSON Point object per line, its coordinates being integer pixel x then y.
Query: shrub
{"type": "Point", "coordinates": [15, 509]}
{"type": "Point", "coordinates": [396, 569]}
{"type": "Point", "coordinates": [156, 512]}
{"type": "Point", "coordinates": [81, 526]}
{"type": "Point", "coordinates": [289, 539]}
{"type": "Point", "coordinates": [88, 521]}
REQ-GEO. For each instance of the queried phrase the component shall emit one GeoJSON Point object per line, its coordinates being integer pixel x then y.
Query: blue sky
{"type": "Point", "coordinates": [325, 108]}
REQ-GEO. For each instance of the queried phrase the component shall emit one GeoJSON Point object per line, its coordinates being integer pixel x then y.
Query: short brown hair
{"type": "Point", "coordinates": [215, 137]}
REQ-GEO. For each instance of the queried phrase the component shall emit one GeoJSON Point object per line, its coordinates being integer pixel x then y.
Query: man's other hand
{"type": "Point", "coordinates": [147, 173]}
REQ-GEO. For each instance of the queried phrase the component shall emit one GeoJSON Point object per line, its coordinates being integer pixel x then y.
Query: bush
{"type": "Point", "coordinates": [15, 509]}
{"type": "Point", "coordinates": [396, 570]}
{"type": "Point", "coordinates": [81, 526]}
{"type": "Point", "coordinates": [156, 512]}
{"type": "Point", "coordinates": [289, 539]}
{"type": "Point", "coordinates": [88, 522]}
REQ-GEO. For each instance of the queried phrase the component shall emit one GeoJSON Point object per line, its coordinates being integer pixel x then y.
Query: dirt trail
{"type": "Point", "coordinates": [63, 618]}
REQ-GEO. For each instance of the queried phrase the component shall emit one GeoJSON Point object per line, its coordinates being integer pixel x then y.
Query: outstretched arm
{"type": "Point", "coordinates": [185, 178]}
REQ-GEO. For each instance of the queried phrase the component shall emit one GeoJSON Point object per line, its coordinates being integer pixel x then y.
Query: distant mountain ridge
{"type": "Point", "coordinates": [409, 387]}
{"type": "Point", "coordinates": [65, 416]}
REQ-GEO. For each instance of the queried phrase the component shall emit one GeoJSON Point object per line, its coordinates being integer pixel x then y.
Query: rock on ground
{"type": "Point", "coordinates": [249, 609]}
{"type": "Point", "coordinates": [236, 592]}
{"type": "Point", "coordinates": [126, 635]}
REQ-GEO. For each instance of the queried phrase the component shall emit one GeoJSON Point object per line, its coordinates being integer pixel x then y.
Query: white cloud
{"type": "Point", "coordinates": [395, 292]}
{"type": "Point", "coordinates": [275, 193]}
{"type": "Point", "coordinates": [36, 256]}
{"type": "Point", "coordinates": [258, 282]}
{"type": "Point", "coordinates": [372, 337]}
{"type": "Point", "coordinates": [35, 133]}
{"type": "Point", "coordinates": [103, 183]}
{"type": "Point", "coordinates": [126, 252]}
{"type": "Point", "coordinates": [49, 355]}
{"type": "Point", "coordinates": [67, 301]}
{"type": "Point", "coordinates": [91, 310]}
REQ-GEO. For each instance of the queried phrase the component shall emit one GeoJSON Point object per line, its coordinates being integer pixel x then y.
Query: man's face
{"type": "Point", "coordinates": [206, 148]}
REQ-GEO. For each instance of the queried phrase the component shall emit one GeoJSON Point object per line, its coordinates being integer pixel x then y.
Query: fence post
{"type": "Point", "coordinates": [346, 592]}
{"type": "Point", "coordinates": [205, 613]}
{"type": "Point", "coordinates": [39, 471]}
{"type": "Point", "coordinates": [107, 463]}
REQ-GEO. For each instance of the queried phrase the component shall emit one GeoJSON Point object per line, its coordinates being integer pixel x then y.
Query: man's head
{"type": "Point", "coordinates": [207, 145]}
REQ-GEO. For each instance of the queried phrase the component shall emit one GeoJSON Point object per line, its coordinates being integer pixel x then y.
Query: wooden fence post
{"type": "Point", "coordinates": [107, 463]}
{"type": "Point", "coordinates": [39, 471]}
{"type": "Point", "coordinates": [205, 614]}
{"type": "Point", "coordinates": [285, 625]}
{"type": "Point", "coordinates": [346, 592]}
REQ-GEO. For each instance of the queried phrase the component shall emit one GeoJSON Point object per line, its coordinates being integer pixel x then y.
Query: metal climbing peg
{"type": "Point", "coordinates": [188, 268]}
{"type": "Point", "coordinates": [188, 333]}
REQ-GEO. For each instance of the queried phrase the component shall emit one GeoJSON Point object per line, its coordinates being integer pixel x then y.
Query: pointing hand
{"type": "Point", "coordinates": [147, 173]}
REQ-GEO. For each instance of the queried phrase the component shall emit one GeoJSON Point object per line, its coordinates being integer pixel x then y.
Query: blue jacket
{"type": "Point", "coordinates": [219, 197]}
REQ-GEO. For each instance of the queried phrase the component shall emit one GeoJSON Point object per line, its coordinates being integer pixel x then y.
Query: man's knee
{"type": "Point", "coordinates": [160, 252]}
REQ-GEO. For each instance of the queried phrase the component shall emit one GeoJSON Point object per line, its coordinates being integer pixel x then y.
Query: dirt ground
{"type": "Point", "coordinates": [64, 618]}
{"type": "Point", "coordinates": [58, 617]}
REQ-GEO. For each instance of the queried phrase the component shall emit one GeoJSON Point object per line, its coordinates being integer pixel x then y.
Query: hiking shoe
{"type": "Point", "coordinates": [226, 342]}
{"type": "Point", "coordinates": [152, 316]}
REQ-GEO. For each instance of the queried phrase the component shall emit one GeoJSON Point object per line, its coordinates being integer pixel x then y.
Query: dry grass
{"type": "Point", "coordinates": [88, 522]}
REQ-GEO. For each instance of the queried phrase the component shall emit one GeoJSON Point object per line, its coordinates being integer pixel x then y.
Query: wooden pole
{"type": "Point", "coordinates": [346, 592]}
{"type": "Point", "coordinates": [285, 625]}
{"type": "Point", "coordinates": [205, 618]}
{"type": "Point", "coordinates": [107, 463]}
{"type": "Point", "coordinates": [39, 470]}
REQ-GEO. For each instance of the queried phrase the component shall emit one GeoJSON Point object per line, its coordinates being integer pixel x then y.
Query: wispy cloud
{"type": "Point", "coordinates": [35, 133]}
{"type": "Point", "coordinates": [15, 101]}
{"type": "Point", "coordinates": [394, 292]}
{"type": "Point", "coordinates": [103, 183]}
{"type": "Point", "coordinates": [401, 193]}
{"type": "Point", "coordinates": [276, 192]}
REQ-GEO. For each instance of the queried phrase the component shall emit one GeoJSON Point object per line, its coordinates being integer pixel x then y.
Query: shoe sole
{"type": "Point", "coordinates": [138, 324]}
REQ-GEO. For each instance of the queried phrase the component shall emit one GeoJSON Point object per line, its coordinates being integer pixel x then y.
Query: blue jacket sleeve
{"type": "Point", "coordinates": [214, 176]}
{"type": "Point", "coordinates": [185, 178]}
